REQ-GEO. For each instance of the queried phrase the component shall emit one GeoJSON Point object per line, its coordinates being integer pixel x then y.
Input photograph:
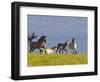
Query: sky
{"type": "Point", "coordinates": [58, 29]}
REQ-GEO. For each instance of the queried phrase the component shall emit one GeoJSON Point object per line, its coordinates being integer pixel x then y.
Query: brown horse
{"type": "Point", "coordinates": [39, 44]}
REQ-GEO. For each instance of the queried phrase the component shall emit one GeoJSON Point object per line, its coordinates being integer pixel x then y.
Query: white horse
{"type": "Point", "coordinates": [50, 50]}
{"type": "Point", "coordinates": [73, 46]}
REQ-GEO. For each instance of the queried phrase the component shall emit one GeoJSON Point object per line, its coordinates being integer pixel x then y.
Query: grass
{"type": "Point", "coordinates": [36, 59]}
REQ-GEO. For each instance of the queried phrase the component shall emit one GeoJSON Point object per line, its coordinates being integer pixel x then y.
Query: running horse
{"type": "Point", "coordinates": [40, 44]}
{"type": "Point", "coordinates": [73, 46]}
{"type": "Point", "coordinates": [61, 47]}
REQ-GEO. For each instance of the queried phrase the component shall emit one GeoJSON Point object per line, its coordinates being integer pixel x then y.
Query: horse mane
{"type": "Point", "coordinates": [73, 39]}
{"type": "Point", "coordinates": [42, 38]}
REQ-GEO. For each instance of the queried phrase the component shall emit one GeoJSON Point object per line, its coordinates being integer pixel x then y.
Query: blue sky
{"type": "Point", "coordinates": [59, 29]}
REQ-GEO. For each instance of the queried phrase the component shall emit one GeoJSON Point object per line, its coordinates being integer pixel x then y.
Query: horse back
{"type": "Point", "coordinates": [34, 44]}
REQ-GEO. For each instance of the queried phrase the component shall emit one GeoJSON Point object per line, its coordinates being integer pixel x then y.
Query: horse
{"type": "Point", "coordinates": [38, 44]}
{"type": "Point", "coordinates": [73, 46]}
{"type": "Point", "coordinates": [61, 47]}
{"type": "Point", "coordinates": [51, 50]}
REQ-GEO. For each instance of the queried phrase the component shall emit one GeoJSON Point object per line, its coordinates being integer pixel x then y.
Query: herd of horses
{"type": "Point", "coordinates": [60, 48]}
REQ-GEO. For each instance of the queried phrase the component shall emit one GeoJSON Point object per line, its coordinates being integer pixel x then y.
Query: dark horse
{"type": "Point", "coordinates": [61, 47]}
{"type": "Point", "coordinates": [73, 46]}
{"type": "Point", "coordinates": [39, 44]}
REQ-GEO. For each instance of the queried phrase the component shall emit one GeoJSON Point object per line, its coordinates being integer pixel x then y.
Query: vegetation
{"type": "Point", "coordinates": [36, 59]}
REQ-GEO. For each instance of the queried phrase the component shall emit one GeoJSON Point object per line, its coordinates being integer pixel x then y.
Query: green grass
{"type": "Point", "coordinates": [36, 59]}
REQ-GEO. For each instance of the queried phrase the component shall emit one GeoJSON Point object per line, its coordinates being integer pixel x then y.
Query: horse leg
{"type": "Point", "coordinates": [44, 49]}
{"type": "Point", "coordinates": [62, 51]}
{"type": "Point", "coordinates": [33, 49]}
{"type": "Point", "coordinates": [57, 50]}
{"type": "Point", "coordinates": [40, 50]}
{"type": "Point", "coordinates": [30, 49]}
{"type": "Point", "coordinates": [75, 51]}
{"type": "Point", "coordinates": [65, 50]}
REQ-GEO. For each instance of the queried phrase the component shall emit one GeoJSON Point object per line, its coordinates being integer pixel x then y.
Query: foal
{"type": "Point", "coordinates": [61, 47]}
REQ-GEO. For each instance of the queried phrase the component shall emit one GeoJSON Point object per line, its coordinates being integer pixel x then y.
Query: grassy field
{"type": "Point", "coordinates": [36, 59]}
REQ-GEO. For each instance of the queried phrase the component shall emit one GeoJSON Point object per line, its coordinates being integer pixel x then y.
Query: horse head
{"type": "Point", "coordinates": [73, 39]}
{"type": "Point", "coordinates": [42, 39]}
{"type": "Point", "coordinates": [66, 42]}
